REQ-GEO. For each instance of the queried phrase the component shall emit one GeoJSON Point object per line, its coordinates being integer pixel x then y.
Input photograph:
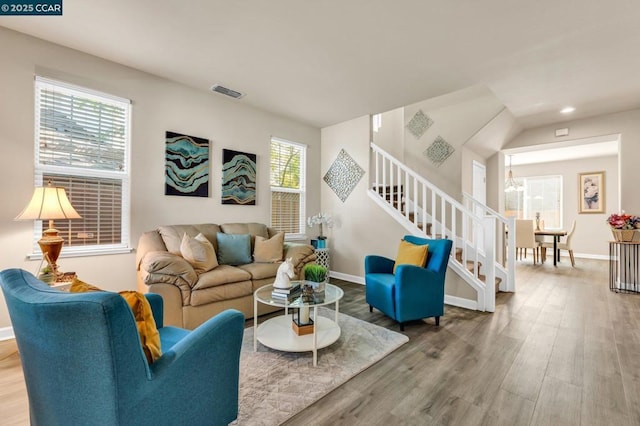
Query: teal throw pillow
{"type": "Point", "coordinates": [234, 249]}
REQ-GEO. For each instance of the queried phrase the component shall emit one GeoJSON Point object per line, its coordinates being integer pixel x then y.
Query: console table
{"type": "Point", "coordinates": [624, 266]}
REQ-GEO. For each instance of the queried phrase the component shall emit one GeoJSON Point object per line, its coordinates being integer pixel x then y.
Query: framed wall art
{"type": "Point", "coordinates": [186, 165]}
{"type": "Point", "coordinates": [592, 192]}
{"type": "Point", "coordinates": [238, 178]}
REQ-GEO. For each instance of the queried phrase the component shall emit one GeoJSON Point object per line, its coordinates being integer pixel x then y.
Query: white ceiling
{"type": "Point", "coordinates": [328, 61]}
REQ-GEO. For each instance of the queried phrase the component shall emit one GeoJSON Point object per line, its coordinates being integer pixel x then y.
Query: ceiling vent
{"type": "Point", "coordinates": [226, 91]}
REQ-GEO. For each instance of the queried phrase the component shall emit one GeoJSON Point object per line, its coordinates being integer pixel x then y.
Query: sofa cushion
{"type": "Point", "coordinates": [260, 271]}
{"type": "Point", "coordinates": [199, 252]}
{"type": "Point", "coordinates": [234, 249]}
{"type": "Point", "coordinates": [221, 292]}
{"type": "Point", "coordinates": [269, 250]}
{"type": "Point", "coordinates": [172, 234]}
{"type": "Point", "coordinates": [223, 274]}
{"type": "Point", "coordinates": [253, 229]}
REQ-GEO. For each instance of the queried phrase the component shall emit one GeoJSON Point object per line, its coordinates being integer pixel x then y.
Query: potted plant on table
{"type": "Point", "coordinates": [315, 275]}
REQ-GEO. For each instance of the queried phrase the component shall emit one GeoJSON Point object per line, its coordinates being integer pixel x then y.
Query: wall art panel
{"type": "Point", "coordinates": [419, 124]}
{"type": "Point", "coordinates": [343, 175]}
{"type": "Point", "coordinates": [439, 151]}
{"type": "Point", "coordinates": [238, 178]}
{"type": "Point", "coordinates": [186, 165]}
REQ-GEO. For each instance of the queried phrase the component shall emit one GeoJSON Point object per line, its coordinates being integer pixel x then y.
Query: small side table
{"type": "Point", "coordinates": [323, 258]}
{"type": "Point", "coordinates": [624, 266]}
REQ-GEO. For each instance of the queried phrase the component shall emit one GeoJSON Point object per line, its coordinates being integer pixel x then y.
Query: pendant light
{"type": "Point", "coordinates": [510, 184]}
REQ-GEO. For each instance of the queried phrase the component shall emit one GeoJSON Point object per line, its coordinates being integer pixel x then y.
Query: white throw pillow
{"type": "Point", "coordinates": [199, 252]}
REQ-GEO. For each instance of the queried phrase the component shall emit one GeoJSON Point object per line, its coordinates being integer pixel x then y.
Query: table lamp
{"type": "Point", "coordinates": [49, 203]}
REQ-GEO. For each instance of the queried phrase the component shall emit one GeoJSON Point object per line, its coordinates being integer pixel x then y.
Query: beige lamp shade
{"type": "Point", "coordinates": [49, 203]}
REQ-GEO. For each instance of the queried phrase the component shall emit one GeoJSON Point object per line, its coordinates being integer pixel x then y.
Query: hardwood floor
{"type": "Point", "coordinates": [563, 350]}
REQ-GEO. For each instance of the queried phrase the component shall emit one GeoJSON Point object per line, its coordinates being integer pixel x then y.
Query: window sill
{"type": "Point", "coordinates": [86, 252]}
{"type": "Point", "coordinates": [296, 238]}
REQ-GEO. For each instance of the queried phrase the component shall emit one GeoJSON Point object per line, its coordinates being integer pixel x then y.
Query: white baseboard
{"type": "Point", "coordinates": [587, 256]}
{"type": "Point", "coordinates": [347, 277]}
{"type": "Point", "coordinates": [461, 302]}
{"type": "Point", "coordinates": [449, 300]}
{"type": "Point", "coordinates": [6, 333]}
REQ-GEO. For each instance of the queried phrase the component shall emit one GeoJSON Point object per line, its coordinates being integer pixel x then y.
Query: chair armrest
{"type": "Point", "coordinates": [374, 264]}
{"type": "Point", "coordinates": [414, 283]}
{"type": "Point", "coordinates": [157, 308]}
{"type": "Point", "coordinates": [221, 333]}
{"type": "Point", "coordinates": [202, 368]}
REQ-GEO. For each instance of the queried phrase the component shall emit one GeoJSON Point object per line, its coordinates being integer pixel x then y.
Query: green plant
{"type": "Point", "coordinates": [315, 273]}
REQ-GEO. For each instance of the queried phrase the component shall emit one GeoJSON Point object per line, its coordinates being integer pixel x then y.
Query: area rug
{"type": "Point", "coordinates": [276, 385]}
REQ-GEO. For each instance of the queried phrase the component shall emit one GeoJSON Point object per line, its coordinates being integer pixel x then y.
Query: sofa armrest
{"type": "Point", "coordinates": [149, 242]}
{"type": "Point", "coordinates": [300, 254]}
{"type": "Point", "coordinates": [161, 267]}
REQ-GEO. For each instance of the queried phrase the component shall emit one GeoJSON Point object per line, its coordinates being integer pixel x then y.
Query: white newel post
{"type": "Point", "coordinates": [489, 227]}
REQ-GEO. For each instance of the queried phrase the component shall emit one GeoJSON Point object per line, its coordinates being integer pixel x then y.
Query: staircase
{"type": "Point", "coordinates": [425, 210]}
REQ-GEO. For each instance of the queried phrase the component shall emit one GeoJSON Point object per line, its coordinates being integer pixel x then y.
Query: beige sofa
{"type": "Point", "coordinates": [190, 297]}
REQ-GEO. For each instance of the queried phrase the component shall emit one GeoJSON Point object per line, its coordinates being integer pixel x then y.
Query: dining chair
{"type": "Point", "coordinates": [526, 239]}
{"type": "Point", "coordinates": [562, 246]}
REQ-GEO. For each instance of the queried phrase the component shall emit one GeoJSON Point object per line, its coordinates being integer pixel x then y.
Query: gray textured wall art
{"type": "Point", "coordinates": [343, 175]}
{"type": "Point", "coordinates": [419, 124]}
{"type": "Point", "coordinates": [439, 151]}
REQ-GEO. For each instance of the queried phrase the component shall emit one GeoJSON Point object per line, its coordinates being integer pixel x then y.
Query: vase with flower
{"type": "Point", "coordinates": [624, 226]}
{"type": "Point", "coordinates": [321, 219]}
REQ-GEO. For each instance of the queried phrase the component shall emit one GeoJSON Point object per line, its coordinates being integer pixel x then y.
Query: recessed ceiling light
{"type": "Point", "coordinates": [567, 110]}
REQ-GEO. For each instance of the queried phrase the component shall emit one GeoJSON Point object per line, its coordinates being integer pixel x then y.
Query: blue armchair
{"type": "Point", "coordinates": [84, 365]}
{"type": "Point", "coordinates": [413, 292]}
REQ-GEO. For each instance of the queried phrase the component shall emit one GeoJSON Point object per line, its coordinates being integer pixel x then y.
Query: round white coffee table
{"type": "Point", "coordinates": [277, 332]}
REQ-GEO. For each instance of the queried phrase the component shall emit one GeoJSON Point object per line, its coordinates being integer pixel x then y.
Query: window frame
{"type": "Point", "coordinates": [123, 176]}
{"type": "Point", "coordinates": [301, 234]}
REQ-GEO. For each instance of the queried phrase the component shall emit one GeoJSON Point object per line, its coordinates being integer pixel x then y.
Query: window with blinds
{"type": "Point", "coordinates": [543, 195]}
{"type": "Point", "coordinates": [82, 145]}
{"type": "Point", "coordinates": [287, 186]}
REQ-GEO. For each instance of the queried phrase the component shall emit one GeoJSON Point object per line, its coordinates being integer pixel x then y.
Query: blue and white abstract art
{"type": "Point", "coordinates": [186, 165]}
{"type": "Point", "coordinates": [238, 178]}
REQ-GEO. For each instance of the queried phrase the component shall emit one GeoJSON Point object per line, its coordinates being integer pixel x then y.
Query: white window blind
{"type": "Point", "coordinates": [287, 186]}
{"type": "Point", "coordinates": [82, 145]}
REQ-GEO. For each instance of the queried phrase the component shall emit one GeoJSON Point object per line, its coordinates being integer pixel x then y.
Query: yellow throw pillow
{"type": "Point", "coordinates": [269, 250]}
{"type": "Point", "coordinates": [149, 336]}
{"type": "Point", "coordinates": [199, 252]}
{"type": "Point", "coordinates": [411, 254]}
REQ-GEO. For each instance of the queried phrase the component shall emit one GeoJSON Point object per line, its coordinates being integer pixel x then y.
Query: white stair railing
{"type": "Point", "coordinates": [424, 209]}
{"type": "Point", "coordinates": [507, 240]}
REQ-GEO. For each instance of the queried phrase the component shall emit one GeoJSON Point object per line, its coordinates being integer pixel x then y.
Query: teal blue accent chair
{"type": "Point", "coordinates": [413, 292]}
{"type": "Point", "coordinates": [84, 365]}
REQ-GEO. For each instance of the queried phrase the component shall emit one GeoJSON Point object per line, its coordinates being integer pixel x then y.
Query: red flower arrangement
{"type": "Point", "coordinates": [623, 221]}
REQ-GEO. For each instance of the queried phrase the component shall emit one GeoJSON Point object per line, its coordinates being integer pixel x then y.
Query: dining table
{"type": "Point", "coordinates": [556, 234]}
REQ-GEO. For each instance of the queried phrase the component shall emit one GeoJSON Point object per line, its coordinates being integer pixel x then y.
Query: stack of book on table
{"type": "Point", "coordinates": [288, 294]}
